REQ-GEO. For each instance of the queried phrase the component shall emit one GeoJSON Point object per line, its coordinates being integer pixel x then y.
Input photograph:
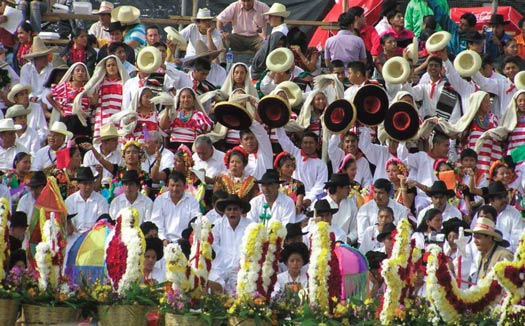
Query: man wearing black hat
{"type": "Point", "coordinates": [279, 206]}
{"type": "Point", "coordinates": [294, 233]}
{"type": "Point", "coordinates": [227, 235]}
{"type": "Point", "coordinates": [35, 185]}
{"type": "Point", "coordinates": [116, 34]}
{"type": "Point", "coordinates": [338, 188]}
{"type": "Point", "coordinates": [439, 195]}
{"type": "Point", "coordinates": [497, 37]}
{"type": "Point", "coordinates": [132, 197]}
{"type": "Point", "coordinates": [323, 212]}
{"type": "Point", "coordinates": [86, 203]}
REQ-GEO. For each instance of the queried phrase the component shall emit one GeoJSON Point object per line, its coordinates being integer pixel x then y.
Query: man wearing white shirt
{"type": "Point", "coordinates": [99, 28]}
{"type": "Point", "coordinates": [227, 237]}
{"type": "Point", "coordinates": [311, 170]}
{"type": "Point", "coordinates": [56, 139]}
{"type": "Point", "coordinates": [208, 158]}
{"type": "Point", "coordinates": [9, 147]}
{"type": "Point", "coordinates": [323, 212]}
{"type": "Point", "coordinates": [202, 30]}
{"type": "Point", "coordinates": [152, 146]}
{"type": "Point", "coordinates": [367, 214]}
{"type": "Point", "coordinates": [108, 147]}
{"type": "Point", "coordinates": [276, 16]}
{"type": "Point", "coordinates": [36, 119]}
{"type": "Point", "coordinates": [257, 143]}
{"type": "Point", "coordinates": [370, 237]}
{"type": "Point", "coordinates": [279, 206]}
{"type": "Point", "coordinates": [376, 154]}
{"type": "Point", "coordinates": [36, 72]}
{"type": "Point", "coordinates": [131, 198]}
{"type": "Point", "coordinates": [338, 188]}
{"type": "Point", "coordinates": [26, 136]}
{"type": "Point", "coordinates": [86, 203]}
{"type": "Point", "coordinates": [439, 195]}
{"type": "Point", "coordinates": [173, 210]}
{"type": "Point", "coordinates": [350, 146]}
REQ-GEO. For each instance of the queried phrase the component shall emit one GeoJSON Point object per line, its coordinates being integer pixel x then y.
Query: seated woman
{"type": "Point", "coordinates": [311, 112]}
{"type": "Point", "coordinates": [239, 77]}
{"type": "Point", "coordinates": [146, 113]}
{"type": "Point", "coordinates": [430, 225]}
{"type": "Point", "coordinates": [20, 176]}
{"type": "Point", "coordinates": [235, 182]}
{"type": "Point", "coordinates": [153, 272]}
{"type": "Point", "coordinates": [295, 256]}
{"type": "Point", "coordinates": [24, 33]}
{"type": "Point", "coordinates": [69, 161]}
{"type": "Point", "coordinates": [284, 163]}
{"type": "Point", "coordinates": [79, 50]}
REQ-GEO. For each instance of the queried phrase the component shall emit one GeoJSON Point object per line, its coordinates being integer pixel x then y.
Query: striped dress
{"type": "Point", "coordinates": [517, 136]}
{"type": "Point", "coordinates": [145, 120]}
{"type": "Point", "coordinates": [109, 102]}
{"type": "Point", "coordinates": [65, 94]}
{"type": "Point", "coordinates": [491, 150]}
{"type": "Point", "coordinates": [186, 131]}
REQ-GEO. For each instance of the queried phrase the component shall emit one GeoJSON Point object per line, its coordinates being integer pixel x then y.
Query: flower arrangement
{"type": "Point", "coordinates": [252, 305]}
{"type": "Point", "coordinates": [288, 302]}
{"type": "Point", "coordinates": [201, 254]}
{"type": "Point", "coordinates": [451, 302]}
{"type": "Point", "coordinates": [251, 255]}
{"type": "Point", "coordinates": [136, 294]}
{"type": "Point", "coordinates": [4, 234]}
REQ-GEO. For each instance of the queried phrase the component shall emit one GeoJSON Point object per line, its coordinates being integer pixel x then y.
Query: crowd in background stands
{"type": "Point", "coordinates": [122, 118]}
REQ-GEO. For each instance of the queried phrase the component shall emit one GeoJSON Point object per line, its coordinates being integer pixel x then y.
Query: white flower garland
{"type": "Point", "coordinates": [275, 234]}
{"type": "Point", "coordinates": [319, 268]}
{"type": "Point", "coordinates": [4, 234]}
{"type": "Point", "coordinates": [48, 248]}
{"type": "Point", "coordinates": [177, 267]}
{"type": "Point", "coordinates": [201, 253]}
{"type": "Point", "coordinates": [251, 253]}
{"type": "Point", "coordinates": [43, 259]}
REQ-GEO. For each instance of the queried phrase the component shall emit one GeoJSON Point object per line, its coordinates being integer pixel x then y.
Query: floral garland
{"type": "Point", "coordinates": [275, 235]}
{"type": "Point", "coordinates": [250, 261]}
{"type": "Point", "coordinates": [125, 251]}
{"type": "Point", "coordinates": [129, 143]}
{"type": "Point", "coordinates": [447, 299]}
{"type": "Point", "coordinates": [177, 268]}
{"type": "Point", "coordinates": [396, 272]}
{"type": "Point", "coordinates": [319, 268]}
{"type": "Point", "coordinates": [4, 234]}
{"type": "Point", "coordinates": [201, 253]}
{"type": "Point", "coordinates": [43, 259]}
{"type": "Point", "coordinates": [511, 276]}
{"type": "Point", "coordinates": [50, 252]}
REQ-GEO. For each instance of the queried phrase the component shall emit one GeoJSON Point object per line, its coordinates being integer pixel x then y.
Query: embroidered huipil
{"type": "Point", "coordinates": [490, 151]}
{"type": "Point", "coordinates": [187, 131]}
{"type": "Point", "coordinates": [65, 94]}
{"type": "Point", "coordinates": [109, 102]}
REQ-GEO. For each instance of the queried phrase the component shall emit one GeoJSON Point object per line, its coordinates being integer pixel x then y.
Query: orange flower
{"type": "Point", "coordinates": [31, 292]}
{"type": "Point", "coordinates": [259, 301]}
{"type": "Point", "coordinates": [401, 313]}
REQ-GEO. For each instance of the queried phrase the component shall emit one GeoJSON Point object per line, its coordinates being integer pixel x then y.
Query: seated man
{"type": "Point", "coordinates": [131, 197]}
{"type": "Point", "coordinates": [35, 186]}
{"type": "Point", "coordinates": [439, 195]}
{"type": "Point", "coordinates": [46, 158]}
{"type": "Point", "coordinates": [9, 147]}
{"type": "Point", "coordinates": [108, 147]}
{"type": "Point", "coordinates": [323, 212]}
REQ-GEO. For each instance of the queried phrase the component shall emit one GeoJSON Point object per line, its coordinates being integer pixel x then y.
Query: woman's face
{"type": "Point", "coordinates": [390, 44]}
{"type": "Point", "coordinates": [179, 165]}
{"type": "Point", "coordinates": [392, 172]}
{"type": "Point", "coordinates": [145, 98]}
{"type": "Point", "coordinates": [484, 106]}
{"type": "Point", "coordinates": [111, 67]}
{"type": "Point", "coordinates": [520, 103]}
{"type": "Point", "coordinates": [320, 102]}
{"type": "Point", "coordinates": [75, 160]}
{"type": "Point", "coordinates": [132, 155]}
{"type": "Point", "coordinates": [150, 258]}
{"type": "Point", "coordinates": [81, 40]}
{"type": "Point", "coordinates": [351, 170]}
{"type": "Point", "coordinates": [511, 48]}
{"type": "Point", "coordinates": [23, 36]}
{"type": "Point", "coordinates": [294, 263]}
{"type": "Point", "coordinates": [186, 101]}
{"type": "Point", "coordinates": [24, 165]}
{"type": "Point", "coordinates": [236, 166]}
{"type": "Point", "coordinates": [80, 74]}
{"type": "Point", "coordinates": [436, 222]}
{"type": "Point", "coordinates": [287, 168]}
{"type": "Point", "coordinates": [239, 74]}
{"type": "Point", "coordinates": [503, 175]}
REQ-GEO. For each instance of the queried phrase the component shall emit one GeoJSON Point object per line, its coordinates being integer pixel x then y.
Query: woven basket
{"type": "Point", "coordinates": [183, 320]}
{"type": "Point", "coordinates": [8, 311]}
{"type": "Point", "coordinates": [237, 321]}
{"type": "Point", "coordinates": [38, 315]}
{"type": "Point", "coordinates": [122, 315]}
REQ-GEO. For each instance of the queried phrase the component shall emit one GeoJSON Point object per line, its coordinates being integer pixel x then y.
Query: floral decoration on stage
{"type": "Point", "coordinates": [451, 302]}
{"type": "Point", "coordinates": [50, 252]}
{"type": "Point", "coordinates": [4, 235]}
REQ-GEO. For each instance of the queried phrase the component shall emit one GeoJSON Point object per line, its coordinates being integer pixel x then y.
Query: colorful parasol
{"type": "Point", "coordinates": [354, 269]}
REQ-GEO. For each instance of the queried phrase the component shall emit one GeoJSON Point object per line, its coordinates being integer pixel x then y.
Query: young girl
{"type": "Point", "coordinates": [284, 163]}
{"type": "Point", "coordinates": [397, 174]}
{"type": "Point", "coordinates": [295, 256]}
{"type": "Point", "coordinates": [146, 112]}
{"type": "Point", "coordinates": [312, 110]}
{"type": "Point", "coordinates": [239, 77]}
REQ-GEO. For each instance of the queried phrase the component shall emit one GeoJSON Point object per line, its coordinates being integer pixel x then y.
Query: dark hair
{"type": "Point", "coordinates": [146, 227]}
{"type": "Point", "coordinates": [439, 138]}
{"type": "Point", "coordinates": [356, 11]}
{"type": "Point", "coordinates": [160, 43]}
{"type": "Point", "coordinates": [311, 134]}
{"type": "Point", "coordinates": [358, 66]}
{"type": "Point", "coordinates": [156, 245]}
{"type": "Point", "coordinates": [201, 64]}
{"type": "Point", "coordinates": [283, 159]}
{"type": "Point", "coordinates": [351, 133]}
{"type": "Point", "coordinates": [153, 26]}
{"type": "Point", "coordinates": [336, 64]}
{"type": "Point", "coordinates": [385, 37]}
{"type": "Point", "coordinates": [384, 184]}
{"type": "Point", "coordinates": [430, 22]}
{"type": "Point", "coordinates": [113, 47]}
{"type": "Point", "coordinates": [243, 158]}
{"type": "Point", "coordinates": [436, 60]}
{"type": "Point", "coordinates": [27, 27]}
{"type": "Point", "coordinates": [92, 40]}
{"type": "Point", "coordinates": [470, 18]}
{"type": "Point", "coordinates": [516, 60]}
{"type": "Point", "coordinates": [386, 209]}
{"type": "Point", "coordinates": [177, 176]}
{"type": "Point", "coordinates": [296, 36]}
{"type": "Point", "coordinates": [244, 132]}
{"type": "Point", "coordinates": [54, 76]}
{"type": "Point", "coordinates": [486, 60]}
{"type": "Point", "coordinates": [16, 256]}
{"type": "Point", "coordinates": [331, 189]}
{"type": "Point", "coordinates": [345, 19]}
{"type": "Point", "coordinates": [469, 152]}
{"type": "Point", "coordinates": [295, 248]}
{"type": "Point", "coordinates": [487, 209]}
{"type": "Point", "coordinates": [375, 258]}
{"type": "Point", "coordinates": [219, 194]}
{"type": "Point", "coordinates": [429, 215]}
{"type": "Point", "coordinates": [18, 157]}
{"type": "Point", "coordinates": [393, 13]}
{"type": "Point", "coordinates": [77, 32]}
{"type": "Point", "coordinates": [387, 6]}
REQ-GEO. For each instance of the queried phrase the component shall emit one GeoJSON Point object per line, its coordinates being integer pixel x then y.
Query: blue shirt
{"type": "Point", "coordinates": [493, 49]}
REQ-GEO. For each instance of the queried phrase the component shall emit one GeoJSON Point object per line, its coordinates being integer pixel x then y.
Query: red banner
{"type": "Point", "coordinates": [483, 15]}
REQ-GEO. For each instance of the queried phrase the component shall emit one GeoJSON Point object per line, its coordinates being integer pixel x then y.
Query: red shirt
{"type": "Point", "coordinates": [371, 39]}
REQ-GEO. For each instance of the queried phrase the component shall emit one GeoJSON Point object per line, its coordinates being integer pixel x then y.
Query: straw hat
{"type": "Point", "coordinates": [203, 13]}
{"type": "Point", "coordinates": [486, 226]}
{"type": "Point", "coordinates": [59, 63]}
{"type": "Point", "coordinates": [105, 8]}
{"type": "Point", "coordinates": [396, 70]}
{"type": "Point", "coordinates": [126, 15]}
{"type": "Point", "coordinates": [149, 59]}
{"type": "Point", "coordinates": [293, 92]}
{"type": "Point", "coordinates": [8, 125]}
{"type": "Point", "coordinates": [38, 49]}
{"type": "Point", "coordinates": [277, 9]}
{"type": "Point", "coordinates": [201, 50]}
{"type": "Point", "coordinates": [17, 89]}
{"type": "Point", "coordinates": [438, 41]}
{"type": "Point", "coordinates": [280, 60]}
{"type": "Point", "coordinates": [108, 131]}
{"type": "Point", "coordinates": [467, 63]}
{"type": "Point", "coordinates": [17, 110]}
{"type": "Point", "coordinates": [60, 128]}
{"type": "Point", "coordinates": [174, 36]}
{"type": "Point", "coordinates": [413, 51]}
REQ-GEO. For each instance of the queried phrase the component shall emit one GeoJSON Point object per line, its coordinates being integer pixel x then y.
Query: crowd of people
{"type": "Point", "coordinates": [123, 118]}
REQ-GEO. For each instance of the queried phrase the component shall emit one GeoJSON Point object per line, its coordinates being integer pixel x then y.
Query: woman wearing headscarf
{"type": "Point", "coordinates": [239, 76]}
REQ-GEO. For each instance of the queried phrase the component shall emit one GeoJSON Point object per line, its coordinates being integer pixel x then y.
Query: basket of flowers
{"type": "Point", "coordinates": [9, 284]}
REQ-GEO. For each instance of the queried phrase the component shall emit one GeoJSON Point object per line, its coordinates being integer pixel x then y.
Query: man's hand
{"type": "Point", "coordinates": [225, 35]}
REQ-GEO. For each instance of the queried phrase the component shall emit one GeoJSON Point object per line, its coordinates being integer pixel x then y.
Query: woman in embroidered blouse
{"type": "Point", "coordinates": [311, 112]}
{"type": "Point", "coordinates": [295, 256]}
{"type": "Point", "coordinates": [146, 112]}
{"type": "Point", "coordinates": [66, 176]}
{"type": "Point", "coordinates": [79, 50]}
{"type": "Point", "coordinates": [186, 120]}
{"type": "Point", "coordinates": [235, 182]}
{"type": "Point", "coordinates": [397, 174]}
{"type": "Point", "coordinates": [284, 163]}
{"type": "Point", "coordinates": [19, 177]}
{"type": "Point", "coordinates": [24, 33]}
{"type": "Point", "coordinates": [239, 76]}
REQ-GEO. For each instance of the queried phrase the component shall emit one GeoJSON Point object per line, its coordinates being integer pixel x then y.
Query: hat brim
{"type": "Point", "coordinates": [500, 193]}
{"type": "Point", "coordinates": [279, 60]}
{"type": "Point", "coordinates": [37, 54]}
{"type": "Point", "coordinates": [274, 111]}
{"type": "Point", "coordinates": [401, 121]}
{"type": "Point", "coordinates": [15, 128]}
{"type": "Point", "coordinates": [222, 204]}
{"type": "Point", "coordinates": [36, 184]}
{"type": "Point", "coordinates": [440, 44]}
{"type": "Point", "coordinates": [189, 61]}
{"type": "Point", "coordinates": [339, 116]}
{"type": "Point", "coordinates": [312, 213]}
{"type": "Point", "coordinates": [84, 178]}
{"type": "Point", "coordinates": [497, 237]}
{"type": "Point", "coordinates": [98, 12]}
{"type": "Point", "coordinates": [232, 116]}
{"type": "Point", "coordinates": [371, 103]}
{"type": "Point", "coordinates": [449, 193]}
{"type": "Point", "coordinates": [175, 37]}
{"type": "Point", "coordinates": [100, 139]}
{"type": "Point", "coordinates": [15, 90]}
{"type": "Point", "coordinates": [133, 19]}
{"type": "Point", "coordinates": [267, 181]}
{"type": "Point", "coordinates": [202, 18]}
{"type": "Point", "coordinates": [18, 113]}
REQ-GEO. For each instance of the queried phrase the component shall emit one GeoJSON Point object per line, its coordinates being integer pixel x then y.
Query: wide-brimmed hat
{"type": "Point", "coordinates": [277, 9]}
{"type": "Point", "coordinates": [174, 36]}
{"type": "Point", "coordinates": [498, 19]}
{"type": "Point", "coordinates": [233, 200]}
{"type": "Point", "coordinates": [440, 188]}
{"type": "Point", "coordinates": [269, 177]}
{"type": "Point", "coordinates": [105, 8]}
{"type": "Point", "coordinates": [203, 13]}
{"type": "Point", "coordinates": [413, 51]}
{"type": "Point", "coordinates": [503, 243]}
{"type": "Point", "coordinates": [85, 174]}
{"type": "Point", "coordinates": [126, 15]}
{"type": "Point", "coordinates": [274, 111]}
{"type": "Point", "coordinates": [322, 206]}
{"type": "Point", "coordinates": [486, 226]}
{"type": "Point", "coordinates": [131, 176]}
{"type": "Point", "coordinates": [387, 230]}
{"type": "Point", "coordinates": [17, 110]}
{"type": "Point", "coordinates": [338, 179]}
{"type": "Point", "coordinates": [17, 89]}
{"type": "Point", "coordinates": [58, 63]}
{"type": "Point", "coordinates": [233, 115]}
{"type": "Point", "coordinates": [201, 50]}
{"type": "Point", "coordinates": [438, 41]}
{"type": "Point", "coordinates": [401, 121]}
{"type": "Point", "coordinates": [38, 49]}
{"type": "Point", "coordinates": [60, 128]}
{"type": "Point", "coordinates": [371, 104]}
{"type": "Point", "coordinates": [294, 229]}
{"type": "Point", "coordinates": [467, 63]}
{"type": "Point", "coordinates": [396, 70]}
{"type": "Point", "coordinates": [38, 179]}
{"type": "Point", "coordinates": [8, 125]}
{"type": "Point", "coordinates": [18, 219]}
{"type": "Point", "coordinates": [108, 131]}
{"type": "Point", "coordinates": [114, 26]}
{"type": "Point", "coordinates": [156, 245]}
{"type": "Point", "coordinates": [453, 225]}
{"type": "Point", "coordinates": [496, 188]}
{"type": "Point", "coordinates": [280, 60]}
{"type": "Point", "coordinates": [339, 116]}
{"type": "Point", "coordinates": [149, 60]}
{"type": "Point", "coordinates": [293, 92]}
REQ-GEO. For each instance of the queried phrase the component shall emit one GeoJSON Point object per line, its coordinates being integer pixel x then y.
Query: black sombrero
{"type": "Point", "coordinates": [339, 116]}
{"type": "Point", "coordinates": [233, 115]}
{"type": "Point", "coordinates": [274, 111]}
{"type": "Point", "coordinates": [371, 103]}
{"type": "Point", "coordinates": [401, 121]}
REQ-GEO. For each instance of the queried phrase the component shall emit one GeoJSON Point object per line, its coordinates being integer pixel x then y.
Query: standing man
{"type": "Point", "coordinates": [246, 17]}
{"type": "Point", "coordinates": [345, 46]}
{"type": "Point", "coordinates": [367, 32]}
